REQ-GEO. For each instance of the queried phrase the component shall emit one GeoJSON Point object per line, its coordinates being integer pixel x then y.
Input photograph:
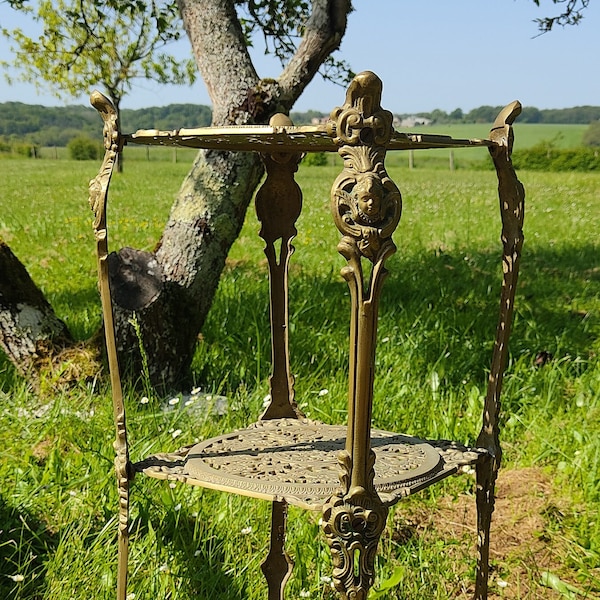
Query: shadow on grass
{"type": "Point", "coordinates": [194, 547]}
{"type": "Point", "coordinates": [434, 303]}
{"type": "Point", "coordinates": [25, 545]}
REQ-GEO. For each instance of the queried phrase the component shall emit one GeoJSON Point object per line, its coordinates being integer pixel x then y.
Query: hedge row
{"type": "Point", "coordinates": [546, 157]}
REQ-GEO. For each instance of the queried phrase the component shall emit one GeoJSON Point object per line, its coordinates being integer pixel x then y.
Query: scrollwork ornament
{"type": "Point", "coordinates": [361, 119]}
{"type": "Point", "coordinates": [98, 187]}
{"type": "Point", "coordinates": [352, 529]}
{"type": "Point", "coordinates": [366, 203]}
{"type": "Point", "coordinates": [366, 208]}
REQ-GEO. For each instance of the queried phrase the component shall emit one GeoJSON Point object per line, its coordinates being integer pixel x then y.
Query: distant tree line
{"type": "Point", "coordinates": [580, 115]}
{"type": "Point", "coordinates": [57, 125]}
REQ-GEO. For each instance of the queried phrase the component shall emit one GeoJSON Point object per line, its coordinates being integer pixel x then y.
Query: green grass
{"type": "Point", "coordinates": [58, 499]}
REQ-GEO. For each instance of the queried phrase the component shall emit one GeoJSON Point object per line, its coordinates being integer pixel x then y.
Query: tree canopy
{"type": "Point", "coordinates": [86, 43]}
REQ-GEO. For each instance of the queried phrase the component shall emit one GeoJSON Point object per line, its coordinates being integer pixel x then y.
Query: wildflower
{"type": "Point", "coordinates": [196, 391]}
{"type": "Point", "coordinates": [246, 530]}
{"type": "Point", "coordinates": [172, 485]}
{"type": "Point", "coordinates": [197, 553]}
{"type": "Point", "coordinates": [266, 400]}
{"type": "Point", "coordinates": [177, 507]}
{"type": "Point", "coordinates": [501, 583]}
{"type": "Point", "coordinates": [16, 578]}
{"type": "Point", "coordinates": [176, 433]}
{"type": "Point", "coordinates": [304, 594]}
{"type": "Point", "coordinates": [174, 401]}
{"type": "Point", "coordinates": [325, 579]}
{"type": "Point", "coordinates": [130, 596]}
{"type": "Point", "coordinates": [385, 340]}
{"type": "Point", "coordinates": [323, 392]}
{"type": "Point", "coordinates": [189, 402]}
{"type": "Point", "coordinates": [144, 400]}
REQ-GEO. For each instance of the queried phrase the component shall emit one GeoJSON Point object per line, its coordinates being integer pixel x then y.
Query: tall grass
{"type": "Point", "coordinates": [58, 502]}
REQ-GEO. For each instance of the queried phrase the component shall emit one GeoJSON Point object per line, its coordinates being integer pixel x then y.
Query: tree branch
{"type": "Point", "coordinates": [323, 34]}
{"type": "Point", "coordinates": [217, 39]}
{"type": "Point", "coordinates": [571, 15]}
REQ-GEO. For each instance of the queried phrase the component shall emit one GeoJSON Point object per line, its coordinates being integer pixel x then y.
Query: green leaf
{"type": "Point", "coordinates": [553, 581]}
{"type": "Point", "coordinates": [388, 584]}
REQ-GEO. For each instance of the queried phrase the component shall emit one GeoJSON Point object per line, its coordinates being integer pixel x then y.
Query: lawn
{"type": "Point", "coordinates": [58, 499]}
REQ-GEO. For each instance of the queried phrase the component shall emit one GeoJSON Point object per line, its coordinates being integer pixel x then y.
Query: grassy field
{"type": "Point", "coordinates": [58, 499]}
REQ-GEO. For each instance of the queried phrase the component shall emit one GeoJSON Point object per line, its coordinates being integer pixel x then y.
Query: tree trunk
{"type": "Point", "coordinates": [162, 298]}
{"type": "Point", "coordinates": [30, 332]}
{"type": "Point", "coordinates": [210, 208]}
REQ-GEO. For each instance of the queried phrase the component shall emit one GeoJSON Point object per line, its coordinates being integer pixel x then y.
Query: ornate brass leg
{"type": "Point", "coordinates": [512, 204]}
{"type": "Point", "coordinates": [98, 199]}
{"type": "Point", "coordinates": [278, 565]}
{"type": "Point", "coordinates": [486, 479]}
{"type": "Point", "coordinates": [278, 205]}
{"type": "Point", "coordinates": [353, 526]}
{"type": "Point", "coordinates": [366, 206]}
{"type": "Point", "coordinates": [121, 467]}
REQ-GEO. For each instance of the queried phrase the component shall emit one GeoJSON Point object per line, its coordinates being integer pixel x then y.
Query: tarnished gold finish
{"type": "Point", "coordinates": [98, 189]}
{"type": "Point", "coordinates": [277, 567]}
{"type": "Point", "coordinates": [278, 205]}
{"type": "Point", "coordinates": [351, 473]}
{"type": "Point", "coordinates": [512, 211]}
{"type": "Point", "coordinates": [284, 138]}
{"type": "Point", "coordinates": [366, 206]}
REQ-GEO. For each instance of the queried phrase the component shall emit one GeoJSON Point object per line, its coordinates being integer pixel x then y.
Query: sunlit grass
{"type": "Point", "coordinates": [58, 502]}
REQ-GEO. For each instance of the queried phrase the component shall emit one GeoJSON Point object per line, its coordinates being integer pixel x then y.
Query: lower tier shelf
{"type": "Point", "coordinates": [296, 460]}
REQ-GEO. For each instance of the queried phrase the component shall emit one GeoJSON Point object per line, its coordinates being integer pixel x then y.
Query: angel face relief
{"type": "Point", "coordinates": [368, 195]}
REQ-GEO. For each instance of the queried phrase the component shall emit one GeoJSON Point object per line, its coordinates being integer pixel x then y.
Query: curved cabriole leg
{"type": "Point", "coordinates": [512, 204]}
{"type": "Point", "coordinates": [277, 567]}
{"type": "Point", "coordinates": [98, 190]}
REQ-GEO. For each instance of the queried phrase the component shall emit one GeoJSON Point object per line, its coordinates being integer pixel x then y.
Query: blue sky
{"type": "Point", "coordinates": [430, 54]}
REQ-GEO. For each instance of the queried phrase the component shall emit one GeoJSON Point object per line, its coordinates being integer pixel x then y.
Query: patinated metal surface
{"type": "Point", "coordinates": [297, 460]}
{"type": "Point", "coordinates": [284, 138]}
{"type": "Point", "coordinates": [351, 473]}
{"type": "Point", "coordinates": [278, 204]}
{"type": "Point", "coordinates": [512, 211]}
{"type": "Point", "coordinates": [98, 189]}
{"type": "Point", "coordinates": [366, 207]}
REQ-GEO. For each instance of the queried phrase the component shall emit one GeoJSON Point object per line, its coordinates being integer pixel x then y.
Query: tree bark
{"type": "Point", "coordinates": [210, 208]}
{"type": "Point", "coordinates": [30, 331]}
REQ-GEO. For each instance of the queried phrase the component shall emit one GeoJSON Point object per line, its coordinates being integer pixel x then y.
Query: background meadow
{"type": "Point", "coordinates": [438, 317]}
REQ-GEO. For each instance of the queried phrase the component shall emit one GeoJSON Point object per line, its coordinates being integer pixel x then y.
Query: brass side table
{"type": "Point", "coordinates": [352, 474]}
